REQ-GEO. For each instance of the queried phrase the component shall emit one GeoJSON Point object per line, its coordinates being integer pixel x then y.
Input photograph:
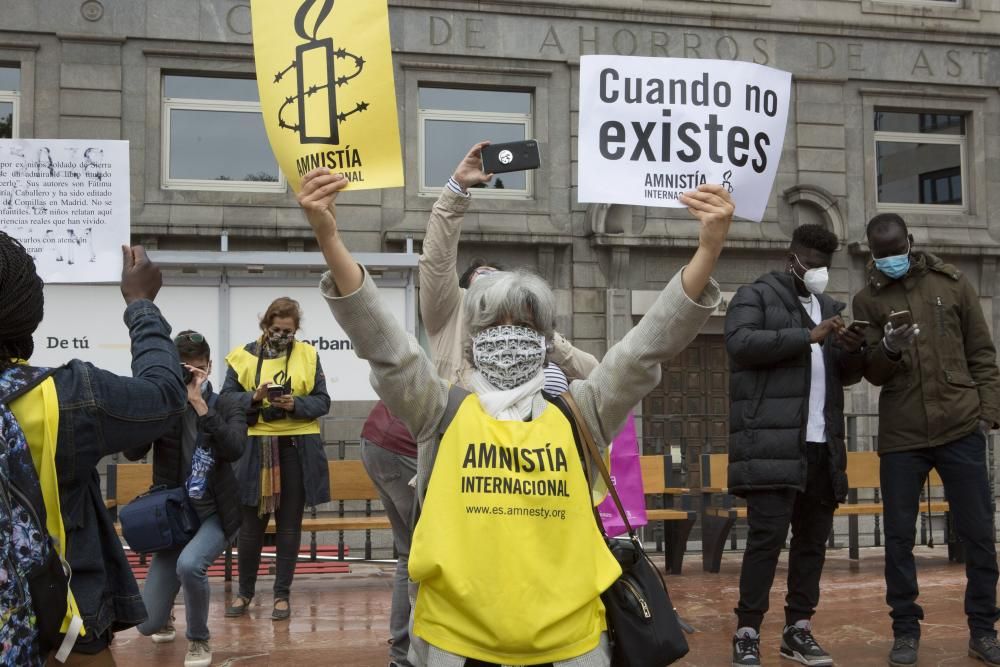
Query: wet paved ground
{"type": "Point", "coordinates": [341, 620]}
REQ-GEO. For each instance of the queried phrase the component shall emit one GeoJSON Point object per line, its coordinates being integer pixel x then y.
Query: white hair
{"type": "Point", "coordinates": [509, 297]}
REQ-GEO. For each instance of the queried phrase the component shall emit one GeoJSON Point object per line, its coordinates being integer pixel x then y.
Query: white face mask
{"type": "Point", "coordinates": [508, 355]}
{"type": "Point", "coordinates": [815, 280]}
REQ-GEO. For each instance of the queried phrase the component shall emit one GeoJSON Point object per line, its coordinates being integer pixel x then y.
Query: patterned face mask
{"type": "Point", "coordinates": [280, 341]}
{"type": "Point", "coordinates": [508, 355]}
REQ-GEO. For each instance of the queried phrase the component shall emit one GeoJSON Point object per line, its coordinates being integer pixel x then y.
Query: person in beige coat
{"type": "Point", "coordinates": [510, 312]}
{"type": "Point", "coordinates": [442, 292]}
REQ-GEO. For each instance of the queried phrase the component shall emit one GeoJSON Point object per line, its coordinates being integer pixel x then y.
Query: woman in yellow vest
{"type": "Point", "coordinates": [283, 467]}
{"type": "Point", "coordinates": [507, 552]}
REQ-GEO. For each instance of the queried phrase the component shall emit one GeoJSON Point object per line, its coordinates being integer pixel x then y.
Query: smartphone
{"type": "Point", "coordinates": [275, 391]}
{"type": "Point", "coordinates": [513, 156]}
{"type": "Point", "coordinates": [186, 375]}
{"type": "Point", "coordinates": [900, 319]}
{"type": "Point", "coordinates": [859, 326]}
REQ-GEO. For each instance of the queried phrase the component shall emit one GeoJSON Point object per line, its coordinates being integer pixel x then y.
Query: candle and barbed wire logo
{"type": "Point", "coordinates": [726, 183]}
{"type": "Point", "coordinates": [317, 79]}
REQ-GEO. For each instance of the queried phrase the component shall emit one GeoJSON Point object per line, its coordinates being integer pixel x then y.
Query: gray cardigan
{"type": "Point", "coordinates": [405, 378]}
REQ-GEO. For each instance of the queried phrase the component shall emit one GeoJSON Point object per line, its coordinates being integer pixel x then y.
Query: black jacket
{"type": "Point", "coordinates": [767, 337]}
{"type": "Point", "coordinates": [225, 430]}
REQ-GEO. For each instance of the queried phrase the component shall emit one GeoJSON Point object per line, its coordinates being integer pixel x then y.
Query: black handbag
{"type": "Point", "coordinates": [642, 624]}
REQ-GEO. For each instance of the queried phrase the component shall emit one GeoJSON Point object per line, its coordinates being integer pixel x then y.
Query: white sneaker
{"type": "Point", "coordinates": [166, 633]}
{"type": "Point", "coordinates": [199, 655]}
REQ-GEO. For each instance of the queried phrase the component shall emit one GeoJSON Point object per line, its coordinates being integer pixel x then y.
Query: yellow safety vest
{"type": "Point", "coordinates": [301, 366]}
{"type": "Point", "coordinates": [507, 552]}
{"type": "Point", "coordinates": [37, 413]}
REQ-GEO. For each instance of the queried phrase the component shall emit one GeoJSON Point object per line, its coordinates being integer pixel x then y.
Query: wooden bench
{"type": "Point", "coordinates": [862, 473]}
{"type": "Point", "coordinates": [348, 482]}
{"type": "Point", "coordinates": [658, 481]}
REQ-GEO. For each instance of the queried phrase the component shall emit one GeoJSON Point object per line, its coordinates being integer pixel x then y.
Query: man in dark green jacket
{"type": "Point", "coordinates": [940, 396]}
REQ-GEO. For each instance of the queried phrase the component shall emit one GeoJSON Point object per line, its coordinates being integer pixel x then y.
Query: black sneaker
{"type": "Point", "coordinates": [798, 644]}
{"type": "Point", "coordinates": [985, 648]}
{"type": "Point", "coordinates": [746, 650]}
{"type": "Point", "coordinates": [904, 652]}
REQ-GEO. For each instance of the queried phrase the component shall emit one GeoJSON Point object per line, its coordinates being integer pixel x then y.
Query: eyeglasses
{"type": "Point", "coordinates": [193, 337]}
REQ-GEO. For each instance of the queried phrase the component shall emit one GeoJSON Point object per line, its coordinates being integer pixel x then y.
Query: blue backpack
{"type": "Point", "coordinates": [33, 583]}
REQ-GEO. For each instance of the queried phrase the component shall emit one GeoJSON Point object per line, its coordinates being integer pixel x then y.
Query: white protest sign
{"type": "Point", "coordinates": [653, 128]}
{"type": "Point", "coordinates": [67, 201]}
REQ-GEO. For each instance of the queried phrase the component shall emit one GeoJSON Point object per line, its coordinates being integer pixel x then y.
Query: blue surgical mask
{"type": "Point", "coordinates": [895, 266]}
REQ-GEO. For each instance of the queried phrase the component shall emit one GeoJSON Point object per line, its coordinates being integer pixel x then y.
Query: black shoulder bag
{"type": "Point", "coordinates": [644, 628]}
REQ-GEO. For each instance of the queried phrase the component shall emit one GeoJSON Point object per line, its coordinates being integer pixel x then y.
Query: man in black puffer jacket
{"type": "Point", "coordinates": [208, 437]}
{"type": "Point", "coordinates": [790, 357]}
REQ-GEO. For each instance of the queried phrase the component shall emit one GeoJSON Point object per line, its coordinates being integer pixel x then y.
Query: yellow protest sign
{"type": "Point", "coordinates": [324, 70]}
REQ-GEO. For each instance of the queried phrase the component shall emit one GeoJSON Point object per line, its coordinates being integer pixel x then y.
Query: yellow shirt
{"type": "Point", "coordinates": [509, 558]}
{"type": "Point", "coordinates": [37, 413]}
{"type": "Point", "coordinates": [301, 371]}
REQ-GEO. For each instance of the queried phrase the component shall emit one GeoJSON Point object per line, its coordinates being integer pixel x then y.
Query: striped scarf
{"type": "Point", "coordinates": [270, 474]}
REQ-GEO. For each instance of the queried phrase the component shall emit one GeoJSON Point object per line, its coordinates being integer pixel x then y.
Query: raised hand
{"type": "Point", "coordinates": [469, 172]}
{"type": "Point", "coordinates": [141, 279]}
{"type": "Point", "coordinates": [317, 196]}
{"type": "Point", "coordinates": [713, 207]}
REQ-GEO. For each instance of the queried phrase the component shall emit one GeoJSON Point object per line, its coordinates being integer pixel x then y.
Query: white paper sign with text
{"type": "Point", "coordinates": [654, 128]}
{"type": "Point", "coordinates": [67, 201]}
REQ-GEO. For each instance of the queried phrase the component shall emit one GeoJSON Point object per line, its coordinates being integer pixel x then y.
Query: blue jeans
{"type": "Point", "coordinates": [962, 466]}
{"type": "Point", "coordinates": [392, 473]}
{"type": "Point", "coordinates": [187, 568]}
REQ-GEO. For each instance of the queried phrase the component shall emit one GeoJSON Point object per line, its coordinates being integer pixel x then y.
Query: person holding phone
{"type": "Point", "coordinates": [282, 389]}
{"type": "Point", "coordinates": [442, 289]}
{"type": "Point", "coordinates": [791, 356]}
{"type": "Point", "coordinates": [930, 349]}
{"type": "Point", "coordinates": [217, 427]}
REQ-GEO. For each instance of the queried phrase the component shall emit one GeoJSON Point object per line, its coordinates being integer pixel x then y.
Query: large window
{"type": "Point", "coordinates": [920, 160]}
{"type": "Point", "coordinates": [453, 119]}
{"type": "Point", "coordinates": [10, 98]}
{"type": "Point", "coordinates": [214, 137]}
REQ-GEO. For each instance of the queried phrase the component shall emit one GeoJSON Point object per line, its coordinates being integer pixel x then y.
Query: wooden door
{"type": "Point", "coordinates": [690, 408]}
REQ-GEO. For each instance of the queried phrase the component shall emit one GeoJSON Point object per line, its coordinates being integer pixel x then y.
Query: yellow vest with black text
{"type": "Point", "coordinates": [507, 552]}
{"type": "Point", "coordinates": [301, 369]}
{"type": "Point", "coordinates": [37, 413]}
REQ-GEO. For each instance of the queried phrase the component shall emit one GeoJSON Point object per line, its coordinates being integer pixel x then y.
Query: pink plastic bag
{"type": "Point", "coordinates": [626, 474]}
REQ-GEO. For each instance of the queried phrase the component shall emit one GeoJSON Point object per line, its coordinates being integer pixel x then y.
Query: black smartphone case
{"type": "Point", "coordinates": [513, 156]}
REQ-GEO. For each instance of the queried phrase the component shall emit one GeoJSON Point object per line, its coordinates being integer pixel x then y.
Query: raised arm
{"type": "Point", "coordinates": [574, 362]}
{"type": "Point", "coordinates": [440, 295]}
{"type": "Point", "coordinates": [401, 373]}
{"type": "Point", "coordinates": [631, 369]}
{"type": "Point", "coordinates": [130, 411]}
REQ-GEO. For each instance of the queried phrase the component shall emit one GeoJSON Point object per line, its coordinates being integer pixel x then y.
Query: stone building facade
{"type": "Point", "coordinates": [896, 107]}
